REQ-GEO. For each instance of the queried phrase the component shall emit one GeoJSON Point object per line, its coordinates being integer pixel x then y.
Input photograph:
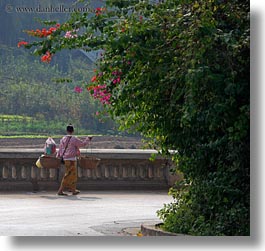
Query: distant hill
{"type": "Point", "coordinates": [43, 92]}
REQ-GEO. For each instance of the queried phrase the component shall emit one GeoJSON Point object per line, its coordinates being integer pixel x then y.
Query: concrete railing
{"type": "Point", "coordinates": [118, 169]}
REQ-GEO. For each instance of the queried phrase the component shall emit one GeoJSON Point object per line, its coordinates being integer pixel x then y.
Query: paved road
{"type": "Point", "coordinates": [104, 213]}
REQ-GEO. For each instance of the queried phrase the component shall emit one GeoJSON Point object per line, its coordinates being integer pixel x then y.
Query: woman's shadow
{"type": "Point", "coordinates": [70, 197]}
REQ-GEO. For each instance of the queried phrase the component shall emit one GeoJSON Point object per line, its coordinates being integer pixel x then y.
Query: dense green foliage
{"type": "Point", "coordinates": [178, 72]}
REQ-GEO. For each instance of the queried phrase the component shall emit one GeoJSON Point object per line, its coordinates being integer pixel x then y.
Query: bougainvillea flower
{"type": "Point", "coordinates": [78, 89]}
{"type": "Point", "coordinates": [99, 92]}
{"type": "Point", "coordinates": [69, 34]}
{"type": "Point", "coordinates": [89, 88]}
{"type": "Point", "coordinates": [94, 78]}
{"type": "Point", "coordinates": [98, 11]}
{"type": "Point", "coordinates": [44, 32]}
{"type": "Point", "coordinates": [21, 43]}
{"type": "Point", "coordinates": [116, 73]}
{"type": "Point", "coordinates": [47, 57]}
{"type": "Point", "coordinates": [116, 80]}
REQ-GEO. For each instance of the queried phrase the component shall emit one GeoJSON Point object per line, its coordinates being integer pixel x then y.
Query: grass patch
{"type": "Point", "coordinates": [43, 136]}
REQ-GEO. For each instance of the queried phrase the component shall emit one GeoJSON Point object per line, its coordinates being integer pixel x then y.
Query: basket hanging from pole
{"type": "Point", "coordinates": [89, 162]}
{"type": "Point", "coordinates": [50, 162]}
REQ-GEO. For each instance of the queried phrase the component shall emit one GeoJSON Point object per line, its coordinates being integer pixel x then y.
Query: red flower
{"type": "Point", "coordinates": [21, 43]}
{"type": "Point", "coordinates": [89, 88]}
{"type": "Point", "coordinates": [47, 57]}
{"type": "Point", "coordinates": [44, 32]}
{"type": "Point", "coordinates": [99, 11]}
{"type": "Point", "coordinates": [94, 79]}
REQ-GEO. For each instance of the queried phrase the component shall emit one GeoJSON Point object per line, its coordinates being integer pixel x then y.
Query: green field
{"type": "Point", "coordinates": [17, 126]}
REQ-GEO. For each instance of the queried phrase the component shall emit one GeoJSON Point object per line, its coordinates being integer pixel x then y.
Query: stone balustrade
{"type": "Point", "coordinates": [118, 169]}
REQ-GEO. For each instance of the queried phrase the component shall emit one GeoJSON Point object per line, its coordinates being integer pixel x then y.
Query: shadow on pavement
{"type": "Point", "coordinates": [81, 198]}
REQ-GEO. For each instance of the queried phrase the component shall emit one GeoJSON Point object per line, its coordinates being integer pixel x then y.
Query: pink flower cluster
{"type": "Point", "coordinates": [78, 89]}
{"type": "Point", "coordinates": [69, 34]}
{"type": "Point", "coordinates": [117, 78]}
{"type": "Point", "coordinates": [99, 92]}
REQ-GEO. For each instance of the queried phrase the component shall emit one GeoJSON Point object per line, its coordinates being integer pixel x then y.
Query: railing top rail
{"type": "Point", "coordinates": [102, 153]}
{"type": "Point", "coordinates": [40, 150]}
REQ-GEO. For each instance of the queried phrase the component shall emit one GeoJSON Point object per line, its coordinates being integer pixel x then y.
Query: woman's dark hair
{"type": "Point", "coordinates": [70, 128]}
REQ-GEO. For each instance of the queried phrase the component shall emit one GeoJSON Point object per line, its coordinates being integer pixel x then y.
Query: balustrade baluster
{"type": "Point", "coordinates": [23, 172]}
{"type": "Point", "coordinates": [88, 173]}
{"type": "Point", "coordinates": [94, 175]}
{"type": "Point", "coordinates": [14, 172]}
{"type": "Point", "coordinates": [124, 172]}
{"type": "Point", "coordinates": [150, 172]}
{"type": "Point", "coordinates": [106, 171]}
{"type": "Point", "coordinates": [52, 173]}
{"type": "Point", "coordinates": [33, 172]}
{"type": "Point", "coordinates": [5, 172]}
{"type": "Point", "coordinates": [43, 173]}
{"type": "Point", "coordinates": [98, 172]}
{"type": "Point", "coordinates": [115, 172]}
{"type": "Point", "coordinates": [134, 173]}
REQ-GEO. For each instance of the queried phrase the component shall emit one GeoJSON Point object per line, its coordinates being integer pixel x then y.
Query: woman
{"type": "Point", "coordinates": [69, 150]}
